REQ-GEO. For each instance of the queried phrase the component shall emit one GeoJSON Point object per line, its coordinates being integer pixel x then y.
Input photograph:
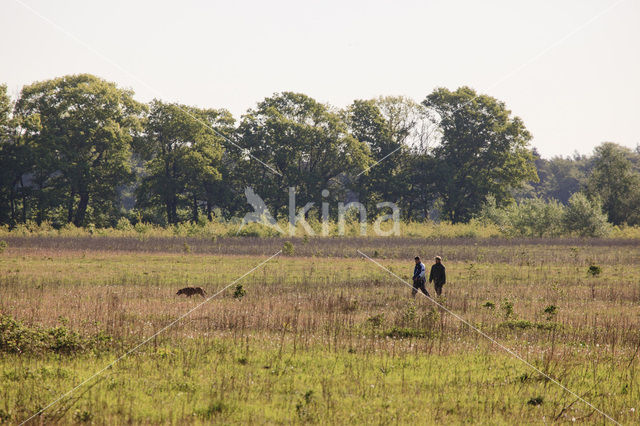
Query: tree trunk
{"type": "Point", "coordinates": [174, 210]}
{"type": "Point", "coordinates": [168, 204]}
{"type": "Point", "coordinates": [209, 215]}
{"type": "Point", "coordinates": [40, 214]}
{"type": "Point", "coordinates": [82, 208]}
{"type": "Point", "coordinates": [70, 207]}
{"type": "Point", "coordinates": [24, 202]}
{"type": "Point", "coordinates": [194, 210]}
{"type": "Point", "coordinates": [12, 199]}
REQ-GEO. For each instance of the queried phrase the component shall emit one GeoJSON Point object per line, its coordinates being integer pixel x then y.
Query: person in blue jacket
{"type": "Point", "coordinates": [419, 278]}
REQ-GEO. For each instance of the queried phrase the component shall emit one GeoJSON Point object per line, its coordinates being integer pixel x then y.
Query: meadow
{"type": "Point", "coordinates": [319, 334]}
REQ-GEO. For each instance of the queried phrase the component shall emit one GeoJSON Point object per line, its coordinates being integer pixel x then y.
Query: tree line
{"type": "Point", "coordinates": [79, 149]}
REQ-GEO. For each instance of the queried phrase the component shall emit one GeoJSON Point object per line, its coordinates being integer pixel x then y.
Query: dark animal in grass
{"type": "Point", "coordinates": [190, 291]}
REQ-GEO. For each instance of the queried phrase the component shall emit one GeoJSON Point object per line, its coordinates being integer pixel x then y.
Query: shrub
{"type": "Point", "coordinates": [376, 320]}
{"type": "Point", "coordinates": [536, 218]}
{"type": "Point", "coordinates": [409, 315]}
{"type": "Point", "coordinates": [287, 248]}
{"type": "Point", "coordinates": [489, 305]}
{"type": "Point", "coordinates": [123, 224]}
{"type": "Point", "coordinates": [525, 325]}
{"type": "Point", "coordinates": [551, 311]}
{"type": "Point", "coordinates": [519, 324]}
{"type": "Point", "coordinates": [3, 246]}
{"type": "Point", "coordinates": [239, 292]}
{"type": "Point", "coordinates": [16, 337]}
{"type": "Point", "coordinates": [585, 218]}
{"type": "Point", "coordinates": [535, 401]}
{"type": "Point", "coordinates": [594, 270]}
{"type": "Point", "coordinates": [405, 333]}
{"type": "Point", "coordinates": [491, 213]}
{"type": "Point", "coordinates": [507, 307]}
{"type": "Point", "coordinates": [528, 218]}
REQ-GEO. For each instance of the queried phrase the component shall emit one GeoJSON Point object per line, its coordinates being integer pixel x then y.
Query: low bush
{"type": "Point", "coordinates": [539, 218]}
{"type": "Point", "coordinates": [585, 218]}
{"type": "Point", "coordinates": [405, 333]}
{"type": "Point", "coordinates": [16, 337]}
{"type": "Point", "coordinates": [525, 325]}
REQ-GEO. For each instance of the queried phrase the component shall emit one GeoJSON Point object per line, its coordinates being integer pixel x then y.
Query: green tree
{"type": "Point", "coordinates": [367, 124]}
{"type": "Point", "coordinates": [78, 130]}
{"type": "Point", "coordinates": [615, 183]}
{"type": "Point", "coordinates": [305, 142]}
{"type": "Point", "coordinates": [483, 151]}
{"type": "Point", "coordinates": [561, 177]}
{"type": "Point", "coordinates": [6, 162]}
{"type": "Point", "coordinates": [396, 131]}
{"type": "Point", "coordinates": [184, 156]}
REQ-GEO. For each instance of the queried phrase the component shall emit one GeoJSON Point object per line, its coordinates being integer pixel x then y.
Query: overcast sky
{"type": "Point", "coordinates": [570, 69]}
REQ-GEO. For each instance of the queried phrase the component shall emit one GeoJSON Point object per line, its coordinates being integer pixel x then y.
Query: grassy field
{"type": "Point", "coordinates": [318, 334]}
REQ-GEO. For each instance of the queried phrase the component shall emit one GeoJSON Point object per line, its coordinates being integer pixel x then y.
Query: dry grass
{"type": "Point", "coordinates": [312, 308]}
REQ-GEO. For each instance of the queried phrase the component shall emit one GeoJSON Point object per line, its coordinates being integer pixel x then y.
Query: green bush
{"type": "Point", "coordinates": [584, 217]}
{"type": "Point", "coordinates": [551, 312]}
{"type": "Point", "coordinates": [123, 224]}
{"type": "Point", "coordinates": [287, 248]}
{"type": "Point", "coordinates": [527, 218]}
{"type": "Point", "coordinates": [525, 325]}
{"type": "Point", "coordinates": [507, 307]}
{"type": "Point", "coordinates": [489, 305]}
{"type": "Point", "coordinates": [536, 218]}
{"type": "Point", "coordinates": [594, 270]}
{"type": "Point", "coordinates": [405, 333]}
{"type": "Point", "coordinates": [376, 320]}
{"type": "Point", "coordinates": [535, 401]}
{"type": "Point", "coordinates": [239, 292]}
{"type": "Point", "coordinates": [539, 218]}
{"type": "Point", "coordinates": [16, 337]}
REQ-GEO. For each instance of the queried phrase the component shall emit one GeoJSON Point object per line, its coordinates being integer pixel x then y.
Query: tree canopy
{"type": "Point", "coordinates": [78, 149]}
{"type": "Point", "coordinates": [483, 151]}
{"type": "Point", "coordinates": [184, 147]}
{"type": "Point", "coordinates": [305, 142]}
{"type": "Point", "coordinates": [74, 136]}
{"type": "Point", "coordinates": [615, 183]}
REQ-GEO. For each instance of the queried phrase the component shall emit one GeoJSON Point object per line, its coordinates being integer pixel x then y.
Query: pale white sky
{"type": "Point", "coordinates": [581, 92]}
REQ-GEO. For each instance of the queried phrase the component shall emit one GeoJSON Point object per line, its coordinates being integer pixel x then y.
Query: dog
{"type": "Point", "coordinates": [190, 291]}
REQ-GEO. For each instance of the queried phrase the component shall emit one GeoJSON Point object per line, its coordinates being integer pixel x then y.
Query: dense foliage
{"type": "Point", "coordinates": [79, 150]}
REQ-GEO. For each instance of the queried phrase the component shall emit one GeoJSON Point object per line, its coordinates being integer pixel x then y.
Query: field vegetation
{"type": "Point", "coordinates": [318, 334]}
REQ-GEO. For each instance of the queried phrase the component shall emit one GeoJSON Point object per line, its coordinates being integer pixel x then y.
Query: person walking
{"type": "Point", "coordinates": [419, 278]}
{"type": "Point", "coordinates": [438, 275]}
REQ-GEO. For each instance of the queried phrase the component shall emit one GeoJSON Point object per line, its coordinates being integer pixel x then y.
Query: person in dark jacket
{"type": "Point", "coordinates": [419, 278]}
{"type": "Point", "coordinates": [438, 275]}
